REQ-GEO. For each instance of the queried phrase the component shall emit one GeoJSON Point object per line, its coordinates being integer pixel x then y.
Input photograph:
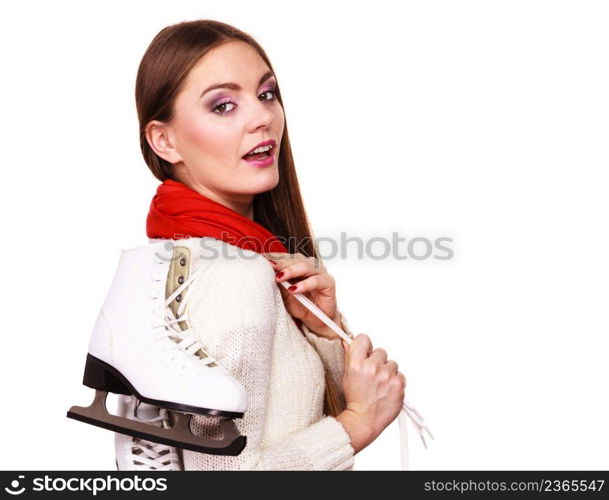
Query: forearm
{"type": "Point", "coordinates": [360, 434]}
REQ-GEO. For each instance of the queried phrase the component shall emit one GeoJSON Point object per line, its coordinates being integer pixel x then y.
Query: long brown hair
{"type": "Point", "coordinates": [164, 67]}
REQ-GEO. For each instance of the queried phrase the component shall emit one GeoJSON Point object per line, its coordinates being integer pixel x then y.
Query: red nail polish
{"type": "Point", "coordinates": [279, 274]}
{"type": "Point", "coordinates": [292, 288]}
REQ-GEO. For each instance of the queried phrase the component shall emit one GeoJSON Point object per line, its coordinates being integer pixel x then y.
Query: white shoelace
{"type": "Point", "coordinates": [186, 340]}
{"type": "Point", "coordinates": [407, 408]}
{"type": "Point", "coordinates": [152, 456]}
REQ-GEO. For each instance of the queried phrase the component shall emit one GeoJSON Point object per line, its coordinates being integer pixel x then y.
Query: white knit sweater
{"type": "Point", "coordinates": [237, 310]}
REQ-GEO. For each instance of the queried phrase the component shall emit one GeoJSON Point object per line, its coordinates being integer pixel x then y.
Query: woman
{"type": "Point", "coordinates": [206, 96]}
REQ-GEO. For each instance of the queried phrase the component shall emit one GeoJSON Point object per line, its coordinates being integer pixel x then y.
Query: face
{"type": "Point", "coordinates": [213, 129]}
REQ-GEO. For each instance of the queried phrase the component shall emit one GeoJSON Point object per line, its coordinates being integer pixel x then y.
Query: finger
{"type": "Point", "coordinates": [360, 347]}
{"type": "Point", "coordinates": [281, 260]}
{"type": "Point", "coordinates": [379, 355]}
{"type": "Point", "coordinates": [317, 282]}
{"type": "Point", "coordinates": [400, 379]}
{"type": "Point", "coordinates": [299, 267]}
{"type": "Point", "coordinates": [392, 366]}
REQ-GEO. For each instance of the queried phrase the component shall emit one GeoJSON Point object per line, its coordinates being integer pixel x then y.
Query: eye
{"type": "Point", "coordinates": [222, 104]}
{"type": "Point", "coordinates": [272, 91]}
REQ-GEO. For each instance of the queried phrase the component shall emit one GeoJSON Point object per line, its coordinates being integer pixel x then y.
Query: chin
{"type": "Point", "coordinates": [265, 180]}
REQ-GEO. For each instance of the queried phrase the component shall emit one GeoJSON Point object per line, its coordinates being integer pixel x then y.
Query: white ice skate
{"type": "Point", "coordinates": [138, 454]}
{"type": "Point", "coordinates": [142, 345]}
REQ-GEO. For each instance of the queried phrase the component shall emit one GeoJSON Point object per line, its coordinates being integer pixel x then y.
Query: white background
{"type": "Point", "coordinates": [483, 121]}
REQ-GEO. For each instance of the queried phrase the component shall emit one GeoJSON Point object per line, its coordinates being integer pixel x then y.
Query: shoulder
{"type": "Point", "coordinates": [223, 257]}
{"type": "Point", "coordinates": [235, 283]}
{"type": "Point", "coordinates": [233, 262]}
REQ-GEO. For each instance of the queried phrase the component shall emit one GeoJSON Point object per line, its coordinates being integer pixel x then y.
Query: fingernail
{"type": "Point", "coordinates": [279, 274]}
{"type": "Point", "coordinates": [272, 261]}
{"type": "Point", "coordinates": [292, 288]}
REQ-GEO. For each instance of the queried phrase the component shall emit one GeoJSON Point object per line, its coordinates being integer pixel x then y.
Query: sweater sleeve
{"type": "Point", "coordinates": [325, 445]}
{"type": "Point", "coordinates": [242, 341]}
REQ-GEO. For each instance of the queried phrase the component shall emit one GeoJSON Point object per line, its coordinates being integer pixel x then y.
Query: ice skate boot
{"type": "Point", "coordinates": [138, 454]}
{"type": "Point", "coordinates": [142, 345]}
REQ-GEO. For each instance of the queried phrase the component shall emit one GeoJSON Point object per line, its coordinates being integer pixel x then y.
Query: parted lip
{"type": "Point", "coordinates": [270, 142]}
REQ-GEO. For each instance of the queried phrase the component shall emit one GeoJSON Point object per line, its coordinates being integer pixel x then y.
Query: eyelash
{"type": "Point", "coordinates": [229, 101]}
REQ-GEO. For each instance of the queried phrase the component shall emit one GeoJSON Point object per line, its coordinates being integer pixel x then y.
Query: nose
{"type": "Point", "coordinates": [260, 116]}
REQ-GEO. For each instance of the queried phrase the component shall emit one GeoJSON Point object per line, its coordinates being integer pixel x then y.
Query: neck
{"type": "Point", "coordinates": [243, 204]}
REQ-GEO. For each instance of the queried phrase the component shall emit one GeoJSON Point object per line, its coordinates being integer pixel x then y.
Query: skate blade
{"type": "Point", "coordinates": [103, 376]}
{"type": "Point", "coordinates": [180, 436]}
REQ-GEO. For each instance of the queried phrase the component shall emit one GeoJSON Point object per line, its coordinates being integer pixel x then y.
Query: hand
{"type": "Point", "coordinates": [319, 287]}
{"type": "Point", "coordinates": [374, 391]}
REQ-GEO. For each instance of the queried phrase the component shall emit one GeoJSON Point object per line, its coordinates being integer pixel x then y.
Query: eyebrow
{"type": "Point", "coordinates": [234, 86]}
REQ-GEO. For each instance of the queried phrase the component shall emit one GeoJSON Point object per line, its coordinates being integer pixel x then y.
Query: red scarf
{"type": "Point", "coordinates": [179, 212]}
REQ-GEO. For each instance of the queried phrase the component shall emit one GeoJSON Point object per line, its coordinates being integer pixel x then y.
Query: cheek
{"type": "Point", "coordinates": [279, 117]}
{"type": "Point", "coordinates": [279, 123]}
{"type": "Point", "coordinates": [206, 137]}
